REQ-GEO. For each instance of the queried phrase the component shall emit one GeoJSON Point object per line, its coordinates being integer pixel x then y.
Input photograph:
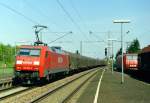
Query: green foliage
{"type": "Point", "coordinates": [118, 52]}
{"type": "Point", "coordinates": [7, 55]}
{"type": "Point", "coordinates": [134, 47]}
{"type": "Point", "coordinates": [7, 72]}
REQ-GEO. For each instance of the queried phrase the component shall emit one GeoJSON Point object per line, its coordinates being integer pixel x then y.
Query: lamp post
{"type": "Point", "coordinates": [113, 40]}
{"type": "Point", "coordinates": [122, 22]}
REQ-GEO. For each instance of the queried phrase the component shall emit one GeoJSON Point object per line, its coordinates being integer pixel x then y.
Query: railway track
{"type": "Point", "coordinates": [31, 95]}
{"type": "Point", "coordinates": [5, 89]}
{"type": "Point", "coordinates": [12, 92]}
{"type": "Point", "coordinates": [68, 98]}
{"type": "Point", "coordinates": [59, 95]}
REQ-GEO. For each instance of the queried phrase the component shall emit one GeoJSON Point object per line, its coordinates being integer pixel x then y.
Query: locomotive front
{"type": "Point", "coordinates": [28, 63]}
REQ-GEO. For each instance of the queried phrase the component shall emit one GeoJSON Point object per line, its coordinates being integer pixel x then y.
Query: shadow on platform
{"type": "Point", "coordinates": [139, 75]}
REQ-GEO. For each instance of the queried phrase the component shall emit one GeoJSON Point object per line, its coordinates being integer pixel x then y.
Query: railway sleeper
{"type": "Point", "coordinates": [5, 85]}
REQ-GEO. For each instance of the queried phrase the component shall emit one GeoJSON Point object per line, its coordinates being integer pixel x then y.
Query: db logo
{"type": "Point", "coordinates": [60, 59]}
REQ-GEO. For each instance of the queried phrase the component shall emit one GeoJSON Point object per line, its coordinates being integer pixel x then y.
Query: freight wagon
{"type": "Point", "coordinates": [144, 59]}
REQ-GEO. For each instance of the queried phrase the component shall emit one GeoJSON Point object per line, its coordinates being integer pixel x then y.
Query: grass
{"type": "Point", "coordinates": [2, 63]}
{"type": "Point", "coordinates": [6, 69]}
{"type": "Point", "coordinates": [6, 72]}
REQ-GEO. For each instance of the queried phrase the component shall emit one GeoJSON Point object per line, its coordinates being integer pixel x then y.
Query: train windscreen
{"type": "Point", "coordinates": [29, 52]}
{"type": "Point", "coordinates": [132, 57]}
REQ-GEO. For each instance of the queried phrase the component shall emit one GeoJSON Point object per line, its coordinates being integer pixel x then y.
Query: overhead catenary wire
{"type": "Point", "coordinates": [78, 14]}
{"type": "Point", "coordinates": [19, 13]}
{"type": "Point", "coordinates": [33, 8]}
{"type": "Point", "coordinates": [72, 20]}
{"type": "Point", "coordinates": [39, 11]}
{"type": "Point", "coordinates": [70, 17]}
{"type": "Point", "coordinates": [60, 37]}
{"type": "Point", "coordinates": [81, 19]}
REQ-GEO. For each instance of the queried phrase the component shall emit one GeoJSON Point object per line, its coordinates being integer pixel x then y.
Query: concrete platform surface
{"type": "Point", "coordinates": [112, 91]}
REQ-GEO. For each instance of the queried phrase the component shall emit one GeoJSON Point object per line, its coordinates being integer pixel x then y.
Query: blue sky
{"type": "Point", "coordinates": [89, 15]}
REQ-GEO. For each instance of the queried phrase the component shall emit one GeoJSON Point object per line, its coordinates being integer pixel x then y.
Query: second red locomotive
{"type": "Point", "coordinates": [130, 61]}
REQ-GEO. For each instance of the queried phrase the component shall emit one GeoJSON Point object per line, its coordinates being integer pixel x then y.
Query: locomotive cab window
{"type": "Point", "coordinates": [132, 57]}
{"type": "Point", "coordinates": [34, 52]}
{"type": "Point", "coordinates": [129, 57]}
{"type": "Point", "coordinates": [135, 57]}
{"type": "Point", "coordinates": [29, 52]}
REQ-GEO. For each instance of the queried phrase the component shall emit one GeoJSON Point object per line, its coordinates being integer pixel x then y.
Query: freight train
{"type": "Point", "coordinates": [144, 59]}
{"type": "Point", "coordinates": [41, 62]}
{"type": "Point", "coordinates": [130, 61]}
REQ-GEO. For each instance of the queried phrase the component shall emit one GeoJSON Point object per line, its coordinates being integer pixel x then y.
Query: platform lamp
{"type": "Point", "coordinates": [112, 40]}
{"type": "Point", "coordinates": [122, 22]}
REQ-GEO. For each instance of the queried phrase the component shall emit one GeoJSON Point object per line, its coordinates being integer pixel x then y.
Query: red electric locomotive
{"type": "Point", "coordinates": [130, 61]}
{"type": "Point", "coordinates": [36, 62]}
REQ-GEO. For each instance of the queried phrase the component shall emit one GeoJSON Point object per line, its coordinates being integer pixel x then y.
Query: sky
{"type": "Point", "coordinates": [17, 18]}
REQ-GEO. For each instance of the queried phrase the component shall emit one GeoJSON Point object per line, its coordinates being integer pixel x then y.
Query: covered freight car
{"type": "Point", "coordinates": [78, 61]}
{"type": "Point", "coordinates": [144, 59]}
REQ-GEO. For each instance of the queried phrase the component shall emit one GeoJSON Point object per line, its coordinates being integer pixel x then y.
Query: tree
{"type": "Point", "coordinates": [119, 52]}
{"type": "Point", "coordinates": [134, 47]}
{"type": "Point", "coordinates": [7, 54]}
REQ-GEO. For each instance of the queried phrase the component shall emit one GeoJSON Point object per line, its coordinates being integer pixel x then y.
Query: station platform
{"type": "Point", "coordinates": [112, 91]}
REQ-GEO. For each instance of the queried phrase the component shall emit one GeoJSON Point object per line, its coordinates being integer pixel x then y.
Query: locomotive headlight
{"type": "Point", "coordinates": [19, 62]}
{"type": "Point", "coordinates": [36, 63]}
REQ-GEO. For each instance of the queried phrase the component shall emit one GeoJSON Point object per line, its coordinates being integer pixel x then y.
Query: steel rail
{"type": "Point", "coordinates": [15, 93]}
{"type": "Point", "coordinates": [6, 89]}
{"type": "Point", "coordinates": [50, 92]}
{"type": "Point", "coordinates": [67, 98]}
